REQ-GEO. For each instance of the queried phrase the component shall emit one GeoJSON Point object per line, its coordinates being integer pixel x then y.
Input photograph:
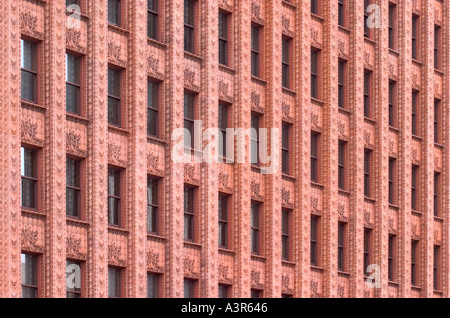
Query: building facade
{"type": "Point", "coordinates": [93, 90]}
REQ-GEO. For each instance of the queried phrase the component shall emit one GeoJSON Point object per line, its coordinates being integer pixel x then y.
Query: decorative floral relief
{"type": "Point", "coordinates": [153, 262]}
{"type": "Point", "coordinates": [341, 129]}
{"type": "Point", "coordinates": [153, 164]}
{"type": "Point", "coordinates": [28, 133]}
{"type": "Point", "coordinates": [255, 186]}
{"type": "Point", "coordinates": [114, 255]}
{"type": "Point", "coordinates": [114, 154]}
{"type": "Point", "coordinates": [315, 36]}
{"type": "Point", "coordinates": [189, 268]}
{"type": "Point", "coordinates": [223, 91]}
{"type": "Point", "coordinates": [315, 120]}
{"type": "Point", "coordinates": [256, 101]}
{"type": "Point", "coordinates": [341, 291]}
{"type": "Point", "coordinates": [73, 40]}
{"type": "Point", "coordinates": [223, 180]}
{"type": "Point", "coordinates": [28, 23]}
{"type": "Point", "coordinates": [223, 272]}
{"type": "Point", "coordinates": [367, 217]}
{"type": "Point", "coordinates": [73, 248]}
{"type": "Point", "coordinates": [189, 172]}
{"type": "Point", "coordinates": [114, 53]}
{"type": "Point", "coordinates": [286, 195]}
{"type": "Point", "coordinates": [286, 109]}
{"type": "Point", "coordinates": [256, 279]}
{"type": "Point", "coordinates": [189, 79]}
{"type": "Point", "coordinates": [314, 289]}
{"type": "Point", "coordinates": [29, 240]}
{"type": "Point", "coordinates": [73, 141]}
{"type": "Point", "coordinates": [153, 67]}
{"type": "Point", "coordinates": [285, 22]}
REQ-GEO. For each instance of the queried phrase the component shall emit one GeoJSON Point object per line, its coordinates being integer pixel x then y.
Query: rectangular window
{"type": "Point", "coordinates": [341, 164]}
{"type": "Point", "coordinates": [114, 282]}
{"type": "Point", "coordinates": [223, 125]}
{"type": "Point", "coordinates": [29, 275]}
{"type": "Point", "coordinates": [223, 220]}
{"type": "Point", "coordinates": [285, 148]}
{"type": "Point", "coordinates": [391, 258]}
{"type": "Point", "coordinates": [367, 172]}
{"type": "Point", "coordinates": [315, 6]}
{"type": "Point", "coordinates": [114, 97]}
{"type": "Point", "coordinates": [342, 72]}
{"type": "Point", "coordinates": [437, 125]}
{"type": "Point", "coordinates": [73, 188]}
{"type": "Point", "coordinates": [341, 12]}
{"type": "Point", "coordinates": [367, 32]}
{"type": "Point", "coordinates": [224, 291]}
{"type": "Point", "coordinates": [224, 19]}
{"type": "Point", "coordinates": [73, 289]}
{"type": "Point", "coordinates": [152, 19]}
{"type": "Point", "coordinates": [255, 139]}
{"type": "Point", "coordinates": [73, 84]}
{"type": "Point", "coordinates": [367, 249]}
{"type": "Point", "coordinates": [436, 195]}
{"type": "Point", "coordinates": [189, 288]}
{"type": "Point", "coordinates": [115, 12]}
{"type": "Point", "coordinates": [152, 205]}
{"type": "Point", "coordinates": [285, 234]}
{"type": "Point", "coordinates": [392, 26]}
{"type": "Point", "coordinates": [341, 245]}
{"type": "Point", "coordinates": [153, 285]}
{"type": "Point", "coordinates": [367, 93]}
{"type": "Point", "coordinates": [153, 108]}
{"type": "Point", "coordinates": [415, 118]}
{"type": "Point", "coordinates": [415, 38]}
{"type": "Point", "coordinates": [392, 103]}
{"type": "Point", "coordinates": [29, 178]}
{"type": "Point", "coordinates": [189, 213]}
{"type": "Point", "coordinates": [414, 245]}
{"type": "Point", "coordinates": [256, 36]}
{"type": "Point", "coordinates": [114, 197]}
{"type": "Point", "coordinates": [414, 179]}
{"type": "Point", "coordinates": [29, 71]}
{"type": "Point", "coordinates": [256, 293]}
{"type": "Point", "coordinates": [314, 74]}
{"type": "Point", "coordinates": [314, 240]}
{"type": "Point", "coordinates": [255, 227]}
{"type": "Point", "coordinates": [73, 2]}
{"type": "Point", "coordinates": [314, 157]}
{"type": "Point", "coordinates": [286, 53]}
{"type": "Point", "coordinates": [436, 267]}
{"type": "Point", "coordinates": [392, 185]}
{"type": "Point", "coordinates": [189, 26]}
{"type": "Point", "coordinates": [437, 43]}
{"type": "Point", "coordinates": [189, 118]}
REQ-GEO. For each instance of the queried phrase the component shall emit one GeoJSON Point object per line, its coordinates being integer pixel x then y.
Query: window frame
{"type": "Point", "coordinates": [118, 98]}
{"type": "Point", "coordinates": [315, 7]}
{"type": "Point", "coordinates": [225, 17]}
{"type": "Point", "coordinates": [190, 47]}
{"type": "Point", "coordinates": [35, 73]}
{"type": "Point", "coordinates": [368, 93]}
{"type": "Point", "coordinates": [437, 47]}
{"type": "Point", "coordinates": [392, 181]}
{"type": "Point", "coordinates": [119, 199]}
{"type": "Point", "coordinates": [156, 100]}
{"type": "Point", "coordinates": [79, 190]}
{"type": "Point", "coordinates": [415, 113]}
{"type": "Point", "coordinates": [119, 8]}
{"type": "Point", "coordinates": [255, 207]}
{"type": "Point", "coordinates": [437, 283]}
{"type": "Point", "coordinates": [436, 125]}
{"type": "Point", "coordinates": [367, 258]}
{"type": "Point", "coordinates": [368, 172]}
{"type": "Point", "coordinates": [227, 290]}
{"type": "Point", "coordinates": [342, 159]}
{"type": "Point", "coordinates": [154, 13]}
{"type": "Point", "coordinates": [190, 100]}
{"type": "Point", "coordinates": [192, 287]}
{"type": "Point", "coordinates": [342, 83]}
{"type": "Point", "coordinates": [119, 278]}
{"type": "Point", "coordinates": [393, 99]}
{"type": "Point", "coordinates": [392, 25]}
{"type": "Point", "coordinates": [35, 179]}
{"type": "Point", "coordinates": [367, 30]}
{"type": "Point", "coordinates": [437, 210]}
{"type": "Point", "coordinates": [391, 258]}
{"type": "Point", "coordinates": [80, 264]}
{"type": "Point", "coordinates": [224, 222]}
{"type": "Point", "coordinates": [286, 131]}
{"type": "Point", "coordinates": [36, 276]}
{"type": "Point", "coordinates": [286, 57]}
{"type": "Point", "coordinates": [315, 154]}
{"type": "Point", "coordinates": [78, 86]}
{"type": "Point", "coordinates": [342, 233]}
{"type": "Point", "coordinates": [157, 279]}
{"type": "Point", "coordinates": [315, 73]}
{"type": "Point", "coordinates": [256, 34]}
{"type": "Point", "coordinates": [414, 262]}
{"type": "Point", "coordinates": [224, 108]}
{"type": "Point", "coordinates": [314, 241]}
{"type": "Point", "coordinates": [415, 37]}
{"type": "Point", "coordinates": [256, 118]}
{"type": "Point", "coordinates": [286, 216]}
{"type": "Point", "coordinates": [190, 215]}
{"type": "Point", "coordinates": [154, 207]}
{"type": "Point", "coordinates": [414, 183]}
{"type": "Point", "coordinates": [342, 14]}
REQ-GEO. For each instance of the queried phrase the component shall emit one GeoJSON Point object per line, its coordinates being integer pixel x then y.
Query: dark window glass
{"type": "Point", "coordinates": [114, 282]}
{"type": "Point", "coordinates": [391, 263]}
{"type": "Point", "coordinates": [29, 173]}
{"type": "Point", "coordinates": [189, 26]}
{"type": "Point", "coordinates": [392, 103]}
{"type": "Point", "coordinates": [437, 41]}
{"type": "Point", "coordinates": [29, 275]}
{"type": "Point", "coordinates": [114, 96]}
{"type": "Point", "coordinates": [414, 245]}
{"type": "Point", "coordinates": [367, 32]}
{"type": "Point", "coordinates": [72, 2]}
{"type": "Point", "coordinates": [114, 12]}
{"type": "Point", "coordinates": [73, 187]}
{"type": "Point", "coordinates": [341, 83]}
{"type": "Point", "coordinates": [414, 176]}
{"type": "Point", "coordinates": [189, 288]}
{"type": "Point", "coordinates": [223, 220]}
{"type": "Point", "coordinates": [436, 267]}
{"type": "Point", "coordinates": [437, 126]}
{"type": "Point", "coordinates": [114, 197]}
{"type": "Point", "coordinates": [189, 213]}
{"type": "Point", "coordinates": [285, 149]}
{"type": "Point", "coordinates": [152, 19]}
{"type": "Point", "coordinates": [341, 164]}
{"type": "Point", "coordinates": [153, 282]}
{"type": "Point", "coordinates": [285, 234]}
{"type": "Point", "coordinates": [392, 172]}
{"type": "Point", "coordinates": [415, 24]}
{"type": "Point", "coordinates": [341, 13]}
{"type": "Point", "coordinates": [314, 157]}
{"type": "Point", "coordinates": [224, 291]}
{"type": "Point", "coordinates": [415, 99]}
{"type": "Point", "coordinates": [367, 169]}
{"type": "Point", "coordinates": [255, 228]}
{"type": "Point", "coordinates": [436, 195]}
{"type": "Point", "coordinates": [256, 293]}
{"type": "Point", "coordinates": [223, 38]}
{"type": "Point", "coordinates": [286, 44]}
{"type": "Point", "coordinates": [367, 90]}
{"type": "Point", "coordinates": [29, 72]}
{"type": "Point", "coordinates": [189, 117]}
{"type": "Point", "coordinates": [255, 140]}
{"type": "Point", "coordinates": [315, 6]}
{"type": "Point", "coordinates": [73, 84]}
{"type": "Point", "coordinates": [367, 249]}
{"type": "Point", "coordinates": [223, 125]}
{"type": "Point", "coordinates": [314, 74]}
{"type": "Point", "coordinates": [314, 240]}
{"type": "Point", "coordinates": [153, 108]}
{"type": "Point", "coordinates": [392, 25]}
{"type": "Point", "coordinates": [152, 205]}
{"type": "Point", "coordinates": [73, 289]}
{"type": "Point", "coordinates": [341, 242]}
{"type": "Point", "coordinates": [255, 50]}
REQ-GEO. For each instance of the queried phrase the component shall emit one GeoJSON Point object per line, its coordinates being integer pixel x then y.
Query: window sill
{"type": "Point", "coordinates": [33, 106]}
{"type": "Point", "coordinates": [118, 29]}
{"type": "Point", "coordinates": [393, 284]}
{"type": "Point", "coordinates": [418, 213]}
{"type": "Point", "coordinates": [369, 199]}
{"type": "Point", "coordinates": [370, 40]}
{"type": "Point", "coordinates": [344, 29]}
{"type": "Point", "coordinates": [439, 72]}
{"type": "Point", "coordinates": [439, 145]}
{"type": "Point", "coordinates": [156, 43]}
{"type": "Point", "coordinates": [344, 110]}
{"type": "Point", "coordinates": [156, 140]}
{"type": "Point", "coordinates": [258, 258]}
{"type": "Point", "coordinates": [81, 14]}
{"type": "Point", "coordinates": [416, 288]}
{"type": "Point", "coordinates": [438, 219]}
{"type": "Point", "coordinates": [77, 118]}
{"type": "Point", "coordinates": [394, 206]}
{"type": "Point", "coordinates": [118, 130]}
{"type": "Point", "coordinates": [225, 160]}
{"type": "Point", "coordinates": [417, 138]}
{"type": "Point", "coordinates": [417, 62]}
{"type": "Point", "coordinates": [259, 81]}
{"type": "Point", "coordinates": [76, 221]}
{"type": "Point", "coordinates": [317, 101]}
{"type": "Point", "coordinates": [394, 52]}
{"type": "Point", "coordinates": [33, 213]}
{"type": "Point", "coordinates": [289, 4]}
{"type": "Point", "coordinates": [226, 251]}
{"type": "Point", "coordinates": [343, 273]}
{"type": "Point", "coordinates": [288, 177]}
{"type": "Point", "coordinates": [156, 237]}
{"type": "Point", "coordinates": [288, 91]}
{"type": "Point", "coordinates": [316, 268]}
{"type": "Point", "coordinates": [193, 57]}
{"type": "Point", "coordinates": [369, 120]}
{"type": "Point", "coordinates": [227, 69]}
{"type": "Point", "coordinates": [288, 263]}
{"type": "Point", "coordinates": [190, 244]}
{"type": "Point", "coordinates": [344, 192]}
{"type": "Point", "coordinates": [114, 228]}
{"type": "Point", "coordinates": [317, 17]}
{"type": "Point", "coordinates": [394, 129]}
{"type": "Point", "coordinates": [317, 185]}
{"type": "Point", "coordinates": [438, 292]}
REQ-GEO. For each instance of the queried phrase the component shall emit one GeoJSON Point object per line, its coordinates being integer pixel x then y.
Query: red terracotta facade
{"type": "Point", "coordinates": [47, 127]}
